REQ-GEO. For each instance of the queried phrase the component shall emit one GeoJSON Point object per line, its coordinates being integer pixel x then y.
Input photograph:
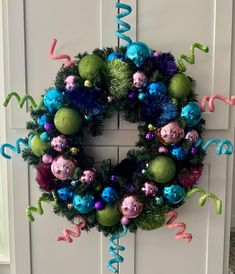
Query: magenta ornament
{"type": "Point", "coordinates": [149, 136]}
{"type": "Point", "coordinates": [49, 126]}
{"type": "Point", "coordinates": [99, 205]}
{"type": "Point", "coordinates": [47, 159]}
{"type": "Point", "coordinates": [193, 150]}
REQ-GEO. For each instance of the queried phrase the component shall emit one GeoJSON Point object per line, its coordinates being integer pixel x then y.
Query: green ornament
{"type": "Point", "coordinates": [89, 65]}
{"type": "Point", "coordinates": [163, 169]}
{"type": "Point", "coordinates": [180, 86]}
{"type": "Point", "coordinates": [38, 146]}
{"type": "Point", "coordinates": [67, 121]}
{"type": "Point", "coordinates": [108, 216]}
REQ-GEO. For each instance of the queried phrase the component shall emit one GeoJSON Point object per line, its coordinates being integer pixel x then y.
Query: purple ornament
{"type": "Point", "coordinates": [193, 150]}
{"type": "Point", "coordinates": [113, 178]}
{"type": "Point", "coordinates": [132, 95]}
{"type": "Point", "coordinates": [99, 205]}
{"type": "Point", "coordinates": [49, 126]}
{"type": "Point", "coordinates": [165, 63]}
{"type": "Point", "coordinates": [149, 136]}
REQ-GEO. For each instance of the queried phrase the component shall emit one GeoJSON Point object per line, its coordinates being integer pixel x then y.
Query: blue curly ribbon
{"type": "Point", "coordinates": [16, 149]}
{"type": "Point", "coordinates": [125, 26]}
{"type": "Point", "coordinates": [220, 149]}
{"type": "Point", "coordinates": [114, 248]}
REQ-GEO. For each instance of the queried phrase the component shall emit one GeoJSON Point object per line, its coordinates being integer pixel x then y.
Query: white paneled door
{"type": "Point", "coordinates": [82, 25]}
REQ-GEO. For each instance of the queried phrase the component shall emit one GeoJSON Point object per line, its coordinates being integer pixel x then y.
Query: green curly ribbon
{"type": "Point", "coordinates": [191, 58]}
{"type": "Point", "coordinates": [204, 197]}
{"type": "Point", "coordinates": [38, 208]}
{"type": "Point", "coordinates": [21, 100]}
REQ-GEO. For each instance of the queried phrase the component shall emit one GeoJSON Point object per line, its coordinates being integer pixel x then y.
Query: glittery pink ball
{"type": "Point", "coordinates": [192, 136]}
{"type": "Point", "coordinates": [131, 207]}
{"type": "Point", "coordinates": [59, 143]}
{"type": "Point", "coordinates": [149, 189]}
{"type": "Point", "coordinates": [162, 150]}
{"type": "Point", "coordinates": [172, 133]}
{"type": "Point", "coordinates": [139, 79]}
{"type": "Point", "coordinates": [62, 168]}
{"type": "Point", "coordinates": [47, 159]}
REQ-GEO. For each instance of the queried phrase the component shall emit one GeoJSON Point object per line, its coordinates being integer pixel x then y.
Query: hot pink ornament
{"type": "Point", "coordinates": [59, 143]}
{"type": "Point", "coordinates": [192, 136]}
{"type": "Point", "coordinates": [131, 207]}
{"type": "Point", "coordinates": [191, 176]}
{"type": "Point", "coordinates": [162, 149]}
{"type": "Point", "coordinates": [139, 79]}
{"type": "Point", "coordinates": [88, 176]}
{"type": "Point", "coordinates": [47, 159]}
{"type": "Point", "coordinates": [63, 168]}
{"type": "Point", "coordinates": [171, 133]}
{"type": "Point", "coordinates": [70, 83]}
{"type": "Point", "coordinates": [149, 189]}
{"type": "Point", "coordinates": [156, 53]}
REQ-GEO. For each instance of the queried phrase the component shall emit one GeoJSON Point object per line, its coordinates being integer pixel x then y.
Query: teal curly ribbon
{"type": "Point", "coordinates": [191, 58]}
{"type": "Point", "coordinates": [114, 248]}
{"type": "Point", "coordinates": [16, 149]}
{"type": "Point", "coordinates": [21, 100]}
{"type": "Point", "coordinates": [220, 149]}
{"type": "Point", "coordinates": [125, 26]}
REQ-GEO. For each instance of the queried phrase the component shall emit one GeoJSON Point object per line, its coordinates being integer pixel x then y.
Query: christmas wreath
{"type": "Point", "coordinates": [146, 87]}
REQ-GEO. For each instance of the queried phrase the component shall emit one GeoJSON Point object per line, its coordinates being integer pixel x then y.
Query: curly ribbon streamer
{"type": "Point", "coordinates": [38, 208]}
{"type": "Point", "coordinates": [114, 248]}
{"type": "Point", "coordinates": [191, 58]}
{"type": "Point", "coordinates": [69, 61]}
{"type": "Point", "coordinates": [68, 234]}
{"type": "Point", "coordinates": [182, 226]}
{"type": "Point", "coordinates": [125, 26]}
{"type": "Point", "coordinates": [15, 149]}
{"type": "Point", "coordinates": [220, 149]}
{"type": "Point", "coordinates": [210, 100]}
{"type": "Point", "coordinates": [21, 100]}
{"type": "Point", "coordinates": [204, 197]}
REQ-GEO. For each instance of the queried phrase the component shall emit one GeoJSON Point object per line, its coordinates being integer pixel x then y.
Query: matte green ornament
{"type": "Point", "coordinates": [67, 121]}
{"type": "Point", "coordinates": [89, 66]}
{"type": "Point", "coordinates": [38, 146]}
{"type": "Point", "coordinates": [163, 169]}
{"type": "Point", "coordinates": [108, 216]}
{"type": "Point", "coordinates": [180, 86]}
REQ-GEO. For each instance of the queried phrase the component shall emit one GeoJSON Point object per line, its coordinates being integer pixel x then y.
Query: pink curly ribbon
{"type": "Point", "coordinates": [68, 234]}
{"type": "Point", "coordinates": [59, 56]}
{"type": "Point", "coordinates": [211, 105]}
{"type": "Point", "coordinates": [182, 226]}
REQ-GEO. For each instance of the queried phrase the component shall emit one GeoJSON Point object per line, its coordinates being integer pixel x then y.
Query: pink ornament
{"type": "Point", "coordinates": [192, 136]}
{"type": "Point", "coordinates": [131, 207]}
{"type": "Point", "coordinates": [110, 99]}
{"type": "Point", "coordinates": [162, 149]}
{"type": "Point", "coordinates": [62, 168]}
{"type": "Point", "coordinates": [149, 189]}
{"type": "Point", "coordinates": [171, 133]}
{"type": "Point", "coordinates": [139, 79]}
{"type": "Point", "coordinates": [47, 159]}
{"type": "Point", "coordinates": [156, 53]}
{"type": "Point", "coordinates": [70, 83]}
{"type": "Point", "coordinates": [70, 206]}
{"type": "Point", "coordinates": [59, 143]}
{"type": "Point", "coordinates": [125, 220]}
{"type": "Point", "coordinates": [88, 176]}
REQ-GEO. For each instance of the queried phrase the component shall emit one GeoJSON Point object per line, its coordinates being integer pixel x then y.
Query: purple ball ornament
{"type": "Point", "coordinates": [149, 136]}
{"type": "Point", "coordinates": [113, 178]}
{"type": "Point", "coordinates": [99, 204]}
{"type": "Point", "coordinates": [132, 95]}
{"type": "Point", "coordinates": [49, 126]}
{"type": "Point", "coordinates": [193, 150]}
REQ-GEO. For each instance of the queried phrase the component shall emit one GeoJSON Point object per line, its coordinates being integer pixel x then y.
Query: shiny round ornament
{"type": "Point", "coordinates": [65, 194]}
{"type": "Point", "coordinates": [191, 113]}
{"type": "Point", "coordinates": [53, 100]}
{"type": "Point", "coordinates": [141, 96]}
{"type": "Point", "coordinates": [192, 136]}
{"type": "Point", "coordinates": [63, 168]}
{"type": "Point", "coordinates": [179, 153]}
{"type": "Point", "coordinates": [59, 143]}
{"type": "Point", "coordinates": [87, 83]}
{"type": "Point", "coordinates": [162, 169]}
{"type": "Point", "coordinates": [42, 120]}
{"type": "Point", "coordinates": [180, 86]}
{"type": "Point", "coordinates": [174, 194]}
{"type": "Point", "coordinates": [171, 133]}
{"type": "Point", "coordinates": [157, 88]}
{"type": "Point", "coordinates": [49, 126]}
{"type": "Point", "coordinates": [131, 207]}
{"type": "Point", "coordinates": [108, 216]}
{"type": "Point", "coordinates": [47, 159]}
{"type": "Point", "coordinates": [194, 150]}
{"type": "Point", "coordinates": [138, 52]}
{"type": "Point", "coordinates": [190, 176]}
{"type": "Point", "coordinates": [70, 206]}
{"type": "Point", "coordinates": [99, 205]}
{"type": "Point", "coordinates": [149, 136]}
{"type": "Point", "coordinates": [45, 137]}
{"type": "Point", "coordinates": [70, 83]}
{"type": "Point", "coordinates": [132, 95]}
{"type": "Point", "coordinates": [162, 149]}
{"type": "Point", "coordinates": [74, 183]}
{"type": "Point", "coordinates": [109, 194]}
{"type": "Point", "coordinates": [139, 79]}
{"type": "Point", "coordinates": [83, 203]}
{"type": "Point", "coordinates": [149, 189]}
{"type": "Point", "coordinates": [74, 150]}
{"type": "Point", "coordinates": [113, 56]}
{"type": "Point", "coordinates": [159, 200]}
{"type": "Point", "coordinates": [38, 146]}
{"type": "Point", "coordinates": [88, 176]}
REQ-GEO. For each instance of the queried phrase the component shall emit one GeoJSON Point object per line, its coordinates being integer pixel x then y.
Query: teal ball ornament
{"type": "Point", "coordinates": [179, 153]}
{"type": "Point", "coordinates": [141, 96]}
{"type": "Point", "coordinates": [45, 137]}
{"type": "Point", "coordinates": [84, 204]}
{"type": "Point", "coordinates": [138, 52]}
{"type": "Point", "coordinates": [174, 194]}
{"type": "Point", "coordinates": [157, 88]}
{"type": "Point", "coordinates": [65, 194]}
{"type": "Point", "coordinates": [53, 100]}
{"type": "Point", "coordinates": [113, 56]}
{"type": "Point", "coordinates": [109, 194]}
{"type": "Point", "coordinates": [42, 120]}
{"type": "Point", "coordinates": [191, 113]}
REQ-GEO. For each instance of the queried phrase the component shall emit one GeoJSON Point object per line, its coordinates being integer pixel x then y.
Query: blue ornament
{"type": "Point", "coordinates": [157, 88]}
{"type": "Point", "coordinates": [114, 55]}
{"type": "Point", "coordinates": [191, 113]}
{"type": "Point", "coordinates": [174, 194]}
{"type": "Point", "coordinates": [42, 120]}
{"type": "Point", "coordinates": [65, 194]}
{"type": "Point", "coordinates": [179, 153]}
{"type": "Point", "coordinates": [53, 100]}
{"type": "Point", "coordinates": [137, 52]}
{"type": "Point", "coordinates": [141, 96]}
{"type": "Point", "coordinates": [45, 137]}
{"type": "Point", "coordinates": [109, 194]}
{"type": "Point", "coordinates": [159, 200]}
{"type": "Point", "coordinates": [84, 204]}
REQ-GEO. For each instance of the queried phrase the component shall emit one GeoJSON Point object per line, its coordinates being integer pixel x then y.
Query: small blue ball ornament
{"type": "Point", "coordinates": [113, 56]}
{"type": "Point", "coordinates": [179, 153]}
{"type": "Point", "coordinates": [45, 137]}
{"type": "Point", "coordinates": [141, 96]}
{"type": "Point", "coordinates": [53, 100]}
{"type": "Point", "coordinates": [109, 194]}
{"type": "Point", "coordinates": [157, 88]}
{"type": "Point", "coordinates": [174, 194]}
{"type": "Point", "coordinates": [84, 204]}
{"type": "Point", "coordinates": [137, 52]}
{"type": "Point", "coordinates": [42, 120]}
{"type": "Point", "coordinates": [191, 113]}
{"type": "Point", "coordinates": [65, 194]}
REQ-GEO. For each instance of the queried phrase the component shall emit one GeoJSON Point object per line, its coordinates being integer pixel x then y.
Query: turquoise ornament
{"type": "Point", "coordinates": [84, 204]}
{"type": "Point", "coordinates": [159, 200]}
{"type": "Point", "coordinates": [113, 56]}
{"type": "Point", "coordinates": [109, 194]}
{"type": "Point", "coordinates": [42, 120]}
{"type": "Point", "coordinates": [157, 88]}
{"type": "Point", "coordinates": [174, 194]}
{"type": "Point", "coordinates": [53, 100]}
{"type": "Point", "coordinates": [138, 52]}
{"type": "Point", "coordinates": [45, 137]}
{"type": "Point", "coordinates": [191, 113]}
{"type": "Point", "coordinates": [179, 153]}
{"type": "Point", "coordinates": [141, 96]}
{"type": "Point", "coordinates": [65, 194]}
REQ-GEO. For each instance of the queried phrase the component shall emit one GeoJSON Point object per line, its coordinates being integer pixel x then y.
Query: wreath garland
{"type": "Point", "coordinates": [146, 87]}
